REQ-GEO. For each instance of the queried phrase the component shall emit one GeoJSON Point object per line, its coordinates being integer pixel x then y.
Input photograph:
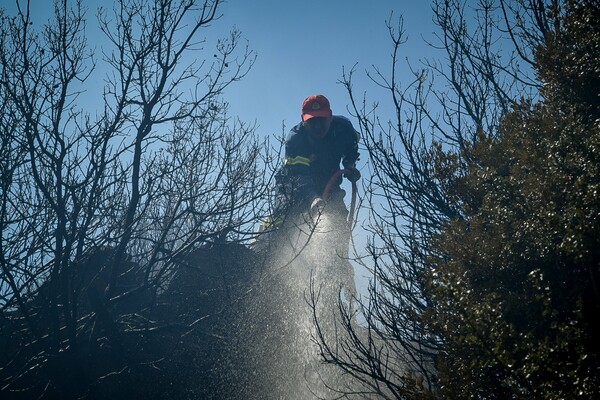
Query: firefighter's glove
{"type": "Point", "coordinates": [353, 175]}
{"type": "Point", "coordinates": [317, 206]}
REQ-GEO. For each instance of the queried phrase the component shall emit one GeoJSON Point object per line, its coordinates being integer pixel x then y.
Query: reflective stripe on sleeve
{"type": "Point", "coordinates": [299, 160]}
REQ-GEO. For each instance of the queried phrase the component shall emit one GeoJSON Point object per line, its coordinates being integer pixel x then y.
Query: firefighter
{"type": "Point", "coordinates": [314, 150]}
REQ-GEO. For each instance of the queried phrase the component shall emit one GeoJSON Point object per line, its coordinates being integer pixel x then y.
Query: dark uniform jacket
{"type": "Point", "coordinates": [310, 163]}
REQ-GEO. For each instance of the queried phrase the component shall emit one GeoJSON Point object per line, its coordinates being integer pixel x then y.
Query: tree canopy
{"type": "Point", "coordinates": [515, 279]}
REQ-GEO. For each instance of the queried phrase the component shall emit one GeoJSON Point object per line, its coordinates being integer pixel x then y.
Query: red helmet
{"type": "Point", "coordinates": [315, 106]}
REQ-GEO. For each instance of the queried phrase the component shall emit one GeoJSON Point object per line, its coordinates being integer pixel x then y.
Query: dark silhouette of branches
{"type": "Point", "coordinates": [99, 206]}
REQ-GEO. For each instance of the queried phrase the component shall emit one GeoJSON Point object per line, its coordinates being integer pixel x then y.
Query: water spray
{"type": "Point", "coordinates": [302, 281]}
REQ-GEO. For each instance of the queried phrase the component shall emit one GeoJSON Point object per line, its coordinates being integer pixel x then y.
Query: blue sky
{"type": "Point", "coordinates": [303, 47]}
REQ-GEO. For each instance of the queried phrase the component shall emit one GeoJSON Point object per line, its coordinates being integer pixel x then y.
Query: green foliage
{"type": "Point", "coordinates": [515, 278]}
